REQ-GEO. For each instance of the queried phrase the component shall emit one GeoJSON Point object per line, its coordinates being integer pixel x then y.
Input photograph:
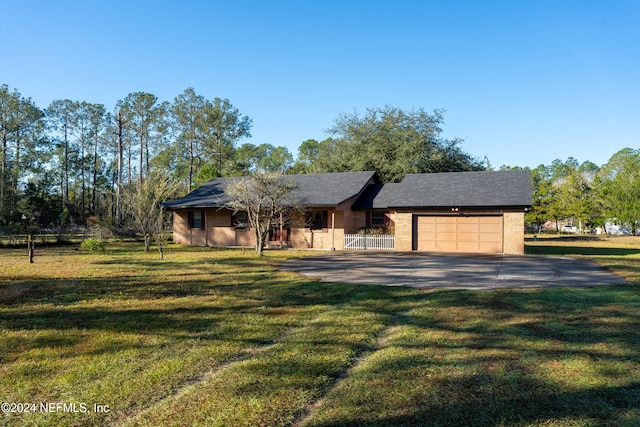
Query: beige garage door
{"type": "Point", "coordinates": [458, 233]}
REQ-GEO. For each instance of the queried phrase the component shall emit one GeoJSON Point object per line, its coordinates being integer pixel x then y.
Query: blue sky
{"type": "Point", "coordinates": [522, 82]}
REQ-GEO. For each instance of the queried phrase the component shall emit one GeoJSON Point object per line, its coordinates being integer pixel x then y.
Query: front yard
{"type": "Point", "coordinates": [221, 337]}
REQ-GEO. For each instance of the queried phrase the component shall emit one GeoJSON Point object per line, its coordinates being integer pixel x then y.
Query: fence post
{"type": "Point", "coordinates": [30, 247]}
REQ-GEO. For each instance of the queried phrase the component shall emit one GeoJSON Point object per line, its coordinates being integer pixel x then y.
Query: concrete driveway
{"type": "Point", "coordinates": [421, 270]}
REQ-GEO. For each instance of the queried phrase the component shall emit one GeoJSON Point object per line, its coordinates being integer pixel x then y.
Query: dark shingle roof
{"type": "Point", "coordinates": [464, 189]}
{"type": "Point", "coordinates": [320, 190]}
{"type": "Point", "coordinates": [460, 189]}
{"type": "Point", "coordinates": [331, 189]}
{"type": "Point", "coordinates": [209, 195]}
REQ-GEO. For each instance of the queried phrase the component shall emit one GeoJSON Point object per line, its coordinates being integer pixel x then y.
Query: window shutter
{"type": "Point", "coordinates": [190, 220]}
{"type": "Point", "coordinates": [368, 219]}
{"type": "Point", "coordinates": [202, 224]}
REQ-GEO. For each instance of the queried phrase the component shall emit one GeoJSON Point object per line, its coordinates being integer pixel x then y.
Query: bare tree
{"type": "Point", "coordinates": [267, 198]}
{"type": "Point", "coordinates": [142, 204]}
{"type": "Point", "coordinates": [162, 225]}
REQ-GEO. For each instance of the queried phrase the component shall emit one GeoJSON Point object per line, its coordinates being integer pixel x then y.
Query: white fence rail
{"type": "Point", "coordinates": [368, 241]}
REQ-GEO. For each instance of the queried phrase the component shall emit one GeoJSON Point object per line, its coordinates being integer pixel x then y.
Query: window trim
{"type": "Point", "coordinates": [310, 224]}
{"type": "Point", "coordinates": [234, 221]}
{"type": "Point", "coordinates": [378, 219]}
{"type": "Point", "coordinates": [191, 220]}
{"type": "Point", "coordinates": [386, 220]}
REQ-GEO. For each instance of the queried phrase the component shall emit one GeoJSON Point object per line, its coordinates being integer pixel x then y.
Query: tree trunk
{"type": "Point", "coordinates": [141, 159]}
{"type": "Point", "coordinates": [190, 165]}
{"type": "Point", "coordinates": [65, 169]}
{"type": "Point", "coordinates": [120, 153]}
{"type": "Point", "coordinates": [3, 170]}
{"type": "Point", "coordinates": [261, 239]}
{"type": "Point", "coordinates": [146, 156]}
{"type": "Point", "coordinates": [16, 167]}
{"type": "Point", "coordinates": [129, 161]}
{"type": "Point", "coordinates": [83, 178]}
{"type": "Point", "coordinates": [94, 178]}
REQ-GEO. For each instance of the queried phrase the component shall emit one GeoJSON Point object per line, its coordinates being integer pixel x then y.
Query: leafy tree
{"type": "Point", "coordinates": [119, 161]}
{"type": "Point", "coordinates": [541, 188]}
{"type": "Point", "coordinates": [144, 117]}
{"type": "Point", "coordinates": [99, 137]}
{"type": "Point", "coordinates": [80, 128]}
{"type": "Point", "coordinates": [21, 131]}
{"type": "Point", "coordinates": [264, 157]}
{"type": "Point", "coordinates": [266, 197]}
{"type": "Point", "coordinates": [186, 123]}
{"type": "Point", "coordinates": [223, 126]}
{"type": "Point", "coordinates": [395, 142]}
{"type": "Point", "coordinates": [620, 187]}
{"type": "Point", "coordinates": [59, 115]}
{"type": "Point", "coordinates": [274, 159]}
{"type": "Point", "coordinates": [245, 158]}
{"type": "Point", "coordinates": [308, 153]}
{"type": "Point", "coordinates": [40, 203]}
{"type": "Point", "coordinates": [572, 193]}
{"type": "Point", "coordinates": [206, 173]}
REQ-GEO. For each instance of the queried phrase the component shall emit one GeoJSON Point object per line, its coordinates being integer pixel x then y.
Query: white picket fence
{"type": "Point", "coordinates": [374, 242]}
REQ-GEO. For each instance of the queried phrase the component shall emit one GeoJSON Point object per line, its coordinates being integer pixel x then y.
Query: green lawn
{"type": "Point", "coordinates": [223, 338]}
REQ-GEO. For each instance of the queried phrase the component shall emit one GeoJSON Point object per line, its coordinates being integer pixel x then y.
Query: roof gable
{"type": "Point", "coordinates": [331, 189]}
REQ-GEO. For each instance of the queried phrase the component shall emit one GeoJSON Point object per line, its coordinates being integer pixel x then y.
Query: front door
{"type": "Point", "coordinates": [276, 235]}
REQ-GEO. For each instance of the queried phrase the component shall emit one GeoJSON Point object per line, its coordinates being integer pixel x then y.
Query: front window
{"type": "Point", "coordinates": [196, 220]}
{"type": "Point", "coordinates": [378, 219]}
{"type": "Point", "coordinates": [240, 219]}
{"type": "Point", "coordinates": [317, 220]}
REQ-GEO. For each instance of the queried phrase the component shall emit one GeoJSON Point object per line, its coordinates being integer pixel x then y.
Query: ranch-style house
{"type": "Point", "coordinates": [471, 212]}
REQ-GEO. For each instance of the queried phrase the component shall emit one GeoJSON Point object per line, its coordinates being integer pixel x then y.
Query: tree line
{"type": "Point", "coordinates": [587, 195]}
{"type": "Point", "coordinates": [75, 162]}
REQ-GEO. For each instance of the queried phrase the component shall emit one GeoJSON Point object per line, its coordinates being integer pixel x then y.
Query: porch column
{"type": "Point", "coordinates": [281, 232]}
{"type": "Point", "coordinates": [333, 230]}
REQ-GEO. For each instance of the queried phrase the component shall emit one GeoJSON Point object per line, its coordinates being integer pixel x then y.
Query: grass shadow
{"type": "Point", "coordinates": [578, 250]}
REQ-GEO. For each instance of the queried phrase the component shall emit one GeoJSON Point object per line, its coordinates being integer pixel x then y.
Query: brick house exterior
{"type": "Point", "coordinates": [479, 212]}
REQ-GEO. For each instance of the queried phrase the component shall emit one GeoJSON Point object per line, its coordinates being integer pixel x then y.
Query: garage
{"type": "Point", "coordinates": [471, 234]}
{"type": "Point", "coordinates": [454, 212]}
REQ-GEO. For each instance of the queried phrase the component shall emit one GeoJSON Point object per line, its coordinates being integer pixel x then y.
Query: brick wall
{"type": "Point", "coordinates": [403, 230]}
{"type": "Point", "coordinates": [301, 237]}
{"type": "Point", "coordinates": [181, 233]}
{"type": "Point", "coordinates": [513, 233]}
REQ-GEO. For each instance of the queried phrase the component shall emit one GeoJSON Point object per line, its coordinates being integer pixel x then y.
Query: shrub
{"type": "Point", "coordinates": [94, 245]}
{"type": "Point", "coordinates": [377, 230]}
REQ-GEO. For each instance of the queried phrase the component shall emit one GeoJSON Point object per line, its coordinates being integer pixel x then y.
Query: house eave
{"type": "Point", "coordinates": [459, 207]}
